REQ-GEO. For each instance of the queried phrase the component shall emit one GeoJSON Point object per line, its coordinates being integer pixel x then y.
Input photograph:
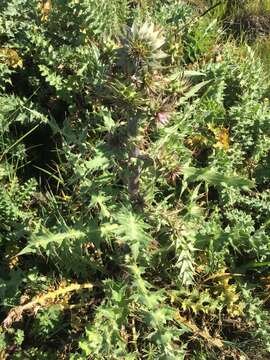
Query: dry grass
{"type": "Point", "coordinates": [262, 48]}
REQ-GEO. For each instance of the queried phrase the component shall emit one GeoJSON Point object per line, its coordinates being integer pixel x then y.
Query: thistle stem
{"type": "Point", "coordinates": [134, 168]}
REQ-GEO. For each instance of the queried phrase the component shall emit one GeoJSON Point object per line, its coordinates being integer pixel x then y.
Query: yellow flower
{"type": "Point", "coordinates": [45, 8]}
{"type": "Point", "coordinates": [221, 135]}
{"type": "Point", "coordinates": [10, 57]}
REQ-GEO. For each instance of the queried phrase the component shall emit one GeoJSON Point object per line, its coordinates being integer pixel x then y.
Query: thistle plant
{"type": "Point", "coordinates": [140, 53]}
{"type": "Point", "coordinates": [141, 47]}
{"type": "Point", "coordinates": [134, 173]}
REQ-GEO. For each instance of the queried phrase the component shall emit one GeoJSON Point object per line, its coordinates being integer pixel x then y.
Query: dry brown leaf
{"type": "Point", "coordinates": [41, 301]}
{"type": "Point", "coordinates": [216, 342]}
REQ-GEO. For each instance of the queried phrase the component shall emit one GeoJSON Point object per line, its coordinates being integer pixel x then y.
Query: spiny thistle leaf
{"type": "Point", "coordinates": [41, 242]}
{"type": "Point", "coordinates": [132, 231]}
{"type": "Point", "coordinates": [212, 177]}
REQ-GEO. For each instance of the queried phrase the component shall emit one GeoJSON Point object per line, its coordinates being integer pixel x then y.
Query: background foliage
{"type": "Point", "coordinates": [134, 170]}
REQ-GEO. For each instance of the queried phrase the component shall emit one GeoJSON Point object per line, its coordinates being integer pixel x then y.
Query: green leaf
{"type": "Point", "coordinates": [132, 231]}
{"type": "Point", "coordinates": [192, 92]}
{"type": "Point", "coordinates": [42, 241]}
{"type": "Point", "coordinates": [212, 177]}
